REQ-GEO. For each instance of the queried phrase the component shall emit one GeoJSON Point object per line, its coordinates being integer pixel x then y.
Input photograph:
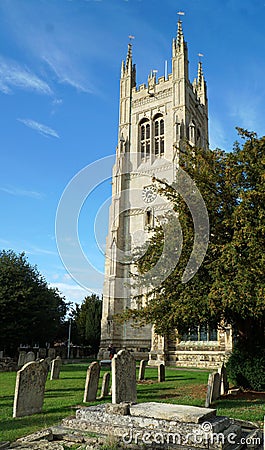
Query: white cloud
{"type": "Point", "coordinates": [66, 74]}
{"type": "Point", "coordinates": [40, 251]}
{"type": "Point", "coordinates": [21, 192]}
{"type": "Point", "coordinates": [14, 76]}
{"type": "Point", "coordinates": [42, 129]}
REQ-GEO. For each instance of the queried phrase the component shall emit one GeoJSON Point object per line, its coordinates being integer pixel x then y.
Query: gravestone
{"type": "Point", "coordinates": [51, 353]}
{"type": "Point", "coordinates": [224, 387]}
{"type": "Point", "coordinates": [48, 362]}
{"type": "Point", "coordinates": [30, 356]}
{"type": "Point", "coordinates": [21, 359]}
{"type": "Point", "coordinates": [161, 373]}
{"type": "Point", "coordinates": [216, 386]}
{"type": "Point", "coordinates": [105, 385]}
{"type": "Point", "coordinates": [1, 354]}
{"type": "Point", "coordinates": [143, 363]}
{"type": "Point", "coordinates": [209, 392]}
{"type": "Point", "coordinates": [91, 385]}
{"type": "Point", "coordinates": [55, 368]}
{"type": "Point", "coordinates": [29, 390]}
{"type": "Point", "coordinates": [123, 377]}
{"type": "Point", "coordinates": [42, 353]}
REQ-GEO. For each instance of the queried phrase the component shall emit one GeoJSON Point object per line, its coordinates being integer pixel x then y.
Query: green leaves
{"type": "Point", "coordinates": [229, 287]}
{"type": "Point", "coordinates": [88, 321]}
{"type": "Point", "coordinates": [31, 312]}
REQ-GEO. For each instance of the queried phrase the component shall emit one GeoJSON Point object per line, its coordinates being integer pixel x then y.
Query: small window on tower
{"type": "Point", "coordinates": [148, 218]}
{"type": "Point", "coordinates": [159, 131]}
{"type": "Point", "coordinates": [144, 139]}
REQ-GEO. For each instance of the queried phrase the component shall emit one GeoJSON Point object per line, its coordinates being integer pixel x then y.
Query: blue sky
{"type": "Point", "coordinates": [59, 87]}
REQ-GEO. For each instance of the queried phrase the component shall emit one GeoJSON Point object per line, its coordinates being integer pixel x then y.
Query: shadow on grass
{"type": "Point", "coordinates": [238, 403]}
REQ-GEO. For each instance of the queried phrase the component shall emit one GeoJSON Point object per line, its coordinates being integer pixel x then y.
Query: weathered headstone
{"type": "Point", "coordinates": [30, 356]}
{"type": "Point", "coordinates": [21, 359]}
{"type": "Point", "coordinates": [1, 354]}
{"type": "Point", "coordinates": [224, 387]}
{"type": "Point", "coordinates": [123, 377]}
{"type": "Point", "coordinates": [216, 386]}
{"type": "Point", "coordinates": [30, 387]}
{"type": "Point", "coordinates": [91, 385]}
{"type": "Point", "coordinates": [42, 353]}
{"type": "Point", "coordinates": [51, 353]}
{"type": "Point", "coordinates": [213, 389]}
{"type": "Point", "coordinates": [48, 362]}
{"type": "Point", "coordinates": [142, 367]}
{"type": "Point", "coordinates": [161, 373]}
{"type": "Point", "coordinates": [209, 392]}
{"type": "Point", "coordinates": [55, 368]}
{"type": "Point", "coordinates": [105, 385]}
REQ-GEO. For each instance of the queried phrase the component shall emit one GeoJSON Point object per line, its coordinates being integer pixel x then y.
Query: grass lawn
{"type": "Point", "coordinates": [63, 395]}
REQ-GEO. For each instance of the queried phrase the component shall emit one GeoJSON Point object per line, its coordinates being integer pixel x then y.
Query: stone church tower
{"type": "Point", "coordinates": [155, 121]}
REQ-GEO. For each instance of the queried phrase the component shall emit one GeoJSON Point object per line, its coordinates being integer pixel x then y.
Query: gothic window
{"type": "Point", "coordinates": [201, 333]}
{"type": "Point", "coordinates": [159, 130]}
{"type": "Point", "coordinates": [145, 144]}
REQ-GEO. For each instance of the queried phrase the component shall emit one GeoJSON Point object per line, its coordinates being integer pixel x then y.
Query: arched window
{"type": "Point", "coordinates": [159, 131]}
{"type": "Point", "coordinates": [144, 133]}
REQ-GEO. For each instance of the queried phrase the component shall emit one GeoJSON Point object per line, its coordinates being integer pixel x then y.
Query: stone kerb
{"type": "Point", "coordinates": [91, 385]}
{"type": "Point", "coordinates": [123, 368]}
{"type": "Point", "coordinates": [29, 390]}
{"type": "Point", "coordinates": [55, 368]}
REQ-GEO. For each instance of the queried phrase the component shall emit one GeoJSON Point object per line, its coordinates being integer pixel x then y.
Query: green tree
{"type": "Point", "coordinates": [88, 321]}
{"type": "Point", "coordinates": [239, 282]}
{"type": "Point", "coordinates": [229, 285]}
{"type": "Point", "coordinates": [31, 312]}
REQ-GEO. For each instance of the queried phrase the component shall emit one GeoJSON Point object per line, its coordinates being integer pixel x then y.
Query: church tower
{"type": "Point", "coordinates": [156, 119]}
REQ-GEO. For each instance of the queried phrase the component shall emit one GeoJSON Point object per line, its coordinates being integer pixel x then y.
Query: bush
{"type": "Point", "coordinates": [247, 370]}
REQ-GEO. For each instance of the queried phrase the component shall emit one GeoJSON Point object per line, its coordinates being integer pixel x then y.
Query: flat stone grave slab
{"type": "Point", "coordinates": [174, 426]}
{"type": "Point", "coordinates": [166, 411]}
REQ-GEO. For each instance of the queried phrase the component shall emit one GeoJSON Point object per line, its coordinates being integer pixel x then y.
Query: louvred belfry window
{"type": "Point", "coordinates": [159, 131]}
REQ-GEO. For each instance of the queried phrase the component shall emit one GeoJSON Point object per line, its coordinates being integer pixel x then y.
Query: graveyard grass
{"type": "Point", "coordinates": [63, 396]}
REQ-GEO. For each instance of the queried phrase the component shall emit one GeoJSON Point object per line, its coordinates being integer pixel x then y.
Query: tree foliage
{"type": "Point", "coordinates": [88, 322]}
{"type": "Point", "coordinates": [30, 311]}
{"type": "Point", "coordinates": [229, 286]}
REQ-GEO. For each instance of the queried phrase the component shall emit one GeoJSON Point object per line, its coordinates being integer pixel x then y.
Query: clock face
{"type": "Point", "coordinates": [149, 194]}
